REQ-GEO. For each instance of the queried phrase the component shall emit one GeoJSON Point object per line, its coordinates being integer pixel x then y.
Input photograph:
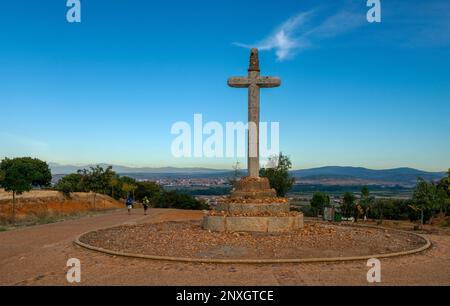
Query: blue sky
{"type": "Point", "coordinates": [110, 88]}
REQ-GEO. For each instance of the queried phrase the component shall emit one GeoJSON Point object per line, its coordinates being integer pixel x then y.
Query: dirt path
{"type": "Point", "coordinates": [38, 255]}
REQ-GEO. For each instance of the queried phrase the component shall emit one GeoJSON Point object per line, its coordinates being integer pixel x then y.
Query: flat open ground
{"type": "Point", "coordinates": [37, 256]}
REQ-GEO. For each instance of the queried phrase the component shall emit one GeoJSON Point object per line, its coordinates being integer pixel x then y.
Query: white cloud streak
{"type": "Point", "coordinates": [298, 33]}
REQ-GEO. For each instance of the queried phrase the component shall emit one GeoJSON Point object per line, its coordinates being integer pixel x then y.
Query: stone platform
{"type": "Point", "coordinates": [252, 207]}
{"type": "Point", "coordinates": [253, 223]}
{"type": "Point", "coordinates": [253, 188]}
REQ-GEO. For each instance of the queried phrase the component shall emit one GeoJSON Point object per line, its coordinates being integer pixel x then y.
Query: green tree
{"type": "Point", "coordinates": [348, 205]}
{"type": "Point", "coordinates": [174, 199]}
{"type": "Point", "coordinates": [380, 206]}
{"type": "Point", "coordinates": [425, 197]}
{"type": "Point", "coordinates": [128, 186]}
{"type": "Point", "coordinates": [96, 180]}
{"type": "Point", "coordinates": [443, 187]}
{"type": "Point", "coordinates": [366, 200]}
{"type": "Point", "coordinates": [319, 201]}
{"type": "Point", "coordinates": [114, 184]}
{"type": "Point", "coordinates": [278, 174]}
{"type": "Point", "coordinates": [151, 190]}
{"type": "Point", "coordinates": [70, 183]}
{"type": "Point", "coordinates": [21, 174]}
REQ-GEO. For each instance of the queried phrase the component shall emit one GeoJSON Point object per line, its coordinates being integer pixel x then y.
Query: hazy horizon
{"type": "Point", "coordinates": [229, 168]}
{"type": "Point", "coordinates": [110, 88]}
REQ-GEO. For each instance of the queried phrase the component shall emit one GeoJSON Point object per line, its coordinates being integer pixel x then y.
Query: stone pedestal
{"type": "Point", "coordinates": [269, 224]}
{"type": "Point", "coordinates": [253, 188]}
{"type": "Point", "coordinates": [253, 207]}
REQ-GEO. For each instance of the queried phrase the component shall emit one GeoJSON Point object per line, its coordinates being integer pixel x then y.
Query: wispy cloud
{"type": "Point", "coordinates": [303, 31]}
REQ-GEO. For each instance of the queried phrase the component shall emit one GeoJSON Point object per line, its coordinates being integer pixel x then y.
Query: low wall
{"type": "Point", "coordinates": [252, 224]}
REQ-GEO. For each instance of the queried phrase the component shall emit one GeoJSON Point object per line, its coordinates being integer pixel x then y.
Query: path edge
{"type": "Point", "coordinates": [261, 261]}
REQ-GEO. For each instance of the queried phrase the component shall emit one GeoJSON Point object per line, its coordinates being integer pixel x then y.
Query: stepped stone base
{"type": "Point", "coordinates": [252, 224]}
{"type": "Point", "coordinates": [253, 188]}
{"type": "Point", "coordinates": [253, 207]}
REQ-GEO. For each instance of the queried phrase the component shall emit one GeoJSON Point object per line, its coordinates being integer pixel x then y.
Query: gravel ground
{"type": "Point", "coordinates": [188, 239]}
{"type": "Point", "coordinates": [38, 255]}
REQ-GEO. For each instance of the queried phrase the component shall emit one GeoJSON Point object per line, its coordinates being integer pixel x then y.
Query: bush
{"type": "Point", "coordinates": [173, 199]}
{"type": "Point", "coordinates": [278, 174]}
{"type": "Point", "coordinates": [151, 190]}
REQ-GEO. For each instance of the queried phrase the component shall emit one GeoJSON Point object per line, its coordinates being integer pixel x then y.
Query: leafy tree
{"type": "Point", "coordinates": [128, 186]}
{"type": "Point", "coordinates": [151, 190]}
{"type": "Point", "coordinates": [348, 205]}
{"type": "Point", "coordinates": [379, 206]}
{"type": "Point", "coordinates": [173, 199]}
{"type": "Point", "coordinates": [443, 187]}
{"type": "Point", "coordinates": [70, 183]}
{"type": "Point", "coordinates": [114, 184]}
{"type": "Point", "coordinates": [319, 201]}
{"type": "Point", "coordinates": [425, 197]}
{"type": "Point", "coordinates": [278, 174]}
{"type": "Point", "coordinates": [365, 192]}
{"type": "Point", "coordinates": [366, 200]}
{"type": "Point", "coordinates": [96, 180]}
{"type": "Point", "coordinates": [19, 175]}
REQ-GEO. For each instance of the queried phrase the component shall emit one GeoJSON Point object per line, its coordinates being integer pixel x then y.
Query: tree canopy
{"type": "Point", "coordinates": [278, 174]}
{"type": "Point", "coordinates": [319, 201]}
{"type": "Point", "coordinates": [21, 174]}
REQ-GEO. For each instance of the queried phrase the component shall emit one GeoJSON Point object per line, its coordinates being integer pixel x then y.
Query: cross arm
{"type": "Point", "coordinates": [268, 82]}
{"type": "Point", "coordinates": [239, 82]}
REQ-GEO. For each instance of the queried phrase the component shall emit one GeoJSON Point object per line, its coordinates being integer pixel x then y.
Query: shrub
{"type": "Point", "coordinates": [173, 199]}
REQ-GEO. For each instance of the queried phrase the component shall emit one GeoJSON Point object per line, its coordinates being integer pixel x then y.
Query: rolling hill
{"type": "Point", "coordinates": [331, 175]}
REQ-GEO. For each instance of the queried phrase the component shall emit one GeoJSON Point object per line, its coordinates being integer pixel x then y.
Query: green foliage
{"type": "Point", "coordinates": [307, 210]}
{"type": "Point", "coordinates": [365, 193]}
{"type": "Point", "coordinates": [205, 191]}
{"type": "Point", "coordinates": [319, 201]}
{"type": "Point", "coordinates": [444, 185]}
{"type": "Point", "coordinates": [173, 199]}
{"type": "Point", "coordinates": [348, 205]}
{"type": "Point", "coordinates": [366, 200]}
{"type": "Point", "coordinates": [150, 190]}
{"type": "Point", "coordinates": [97, 179]}
{"type": "Point", "coordinates": [19, 175]}
{"type": "Point", "coordinates": [278, 174]}
{"type": "Point", "coordinates": [427, 197]}
{"type": "Point", "coordinates": [71, 183]}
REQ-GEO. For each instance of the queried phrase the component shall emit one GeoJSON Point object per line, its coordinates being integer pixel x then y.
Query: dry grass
{"type": "Point", "coordinates": [48, 206]}
{"type": "Point", "coordinates": [31, 194]}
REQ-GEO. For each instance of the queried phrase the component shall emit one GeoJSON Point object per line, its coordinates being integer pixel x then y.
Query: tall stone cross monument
{"type": "Point", "coordinates": [253, 82]}
{"type": "Point", "coordinates": [253, 206]}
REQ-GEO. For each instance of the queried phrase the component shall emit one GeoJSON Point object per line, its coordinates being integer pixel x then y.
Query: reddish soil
{"type": "Point", "coordinates": [44, 203]}
{"type": "Point", "coordinates": [37, 256]}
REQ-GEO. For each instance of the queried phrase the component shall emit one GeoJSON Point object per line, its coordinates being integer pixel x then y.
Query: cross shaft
{"type": "Point", "coordinates": [253, 82]}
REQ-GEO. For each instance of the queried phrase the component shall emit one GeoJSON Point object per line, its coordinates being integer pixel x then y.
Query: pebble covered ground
{"type": "Point", "coordinates": [37, 255]}
{"type": "Point", "coordinates": [188, 239]}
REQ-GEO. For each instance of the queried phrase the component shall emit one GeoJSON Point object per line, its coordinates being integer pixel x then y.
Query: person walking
{"type": "Point", "coordinates": [129, 204]}
{"type": "Point", "coordinates": [145, 204]}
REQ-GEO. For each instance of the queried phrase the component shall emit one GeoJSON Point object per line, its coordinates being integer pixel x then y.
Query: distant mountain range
{"type": "Point", "coordinates": [66, 169]}
{"type": "Point", "coordinates": [334, 175]}
{"type": "Point", "coordinates": [331, 175]}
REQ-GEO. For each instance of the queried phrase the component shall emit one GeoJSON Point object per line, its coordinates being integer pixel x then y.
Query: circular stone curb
{"type": "Point", "coordinates": [261, 261]}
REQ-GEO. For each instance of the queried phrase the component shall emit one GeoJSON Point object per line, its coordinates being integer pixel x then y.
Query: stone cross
{"type": "Point", "coordinates": [253, 82]}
